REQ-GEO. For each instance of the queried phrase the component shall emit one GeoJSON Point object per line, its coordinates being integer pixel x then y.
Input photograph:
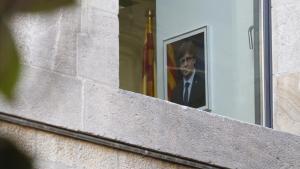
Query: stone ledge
{"type": "Point", "coordinates": [52, 151]}
{"type": "Point", "coordinates": [162, 126]}
{"type": "Point", "coordinates": [58, 145]}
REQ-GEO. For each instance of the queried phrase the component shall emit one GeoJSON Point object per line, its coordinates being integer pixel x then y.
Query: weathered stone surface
{"type": "Point", "coordinates": [111, 6]}
{"type": "Point", "coordinates": [118, 108]}
{"type": "Point", "coordinates": [98, 60]}
{"type": "Point", "coordinates": [99, 24]}
{"type": "Point", "coordinates": [42, 164]}
{"type": "Point", "coordinates": [286, 35]}
{"type": "Point", "coordinates": [97, 157]}
{"type": "Point", "coordinates": [286, 60]}
{"type": "Point", "coordinates": [25, 141]}
{"type": "Point", "coordinates": [57, 152]}
{"type": "Point", "coordinates": [53, 148]}
{"type": "Point", "coordinates": [287, 114]}
{"type": "Point", "coordinates": [47, 97]}
{"type": "Point", "coordinates": [129, 161]}
{"type": "Point", "coordinates": [49, 40]}
{"type": "Point", "coordinates": [150, 122]}
{"type": "Point", "coordinates": [98, 46]}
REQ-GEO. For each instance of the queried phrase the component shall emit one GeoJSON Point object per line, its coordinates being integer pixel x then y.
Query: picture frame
{"type": "Point", "coordinates": [179, 68]}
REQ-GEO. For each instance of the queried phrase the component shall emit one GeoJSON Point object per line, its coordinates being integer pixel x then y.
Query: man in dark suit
{"type": "Point", "coordinates": [190, 89]}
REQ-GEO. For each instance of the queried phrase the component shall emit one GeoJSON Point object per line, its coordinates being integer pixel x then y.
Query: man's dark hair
{"type": "Point", "coordinates": [187, 47]}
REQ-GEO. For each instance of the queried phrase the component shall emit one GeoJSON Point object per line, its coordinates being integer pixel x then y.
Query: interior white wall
{"type": "Point", "coordinates": [245, 97]}
{"type": "Point", "coordinates": [230, 66]}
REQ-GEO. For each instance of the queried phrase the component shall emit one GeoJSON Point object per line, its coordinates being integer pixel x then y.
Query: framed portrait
{"type": "Point", "coordinates": [186, 69]}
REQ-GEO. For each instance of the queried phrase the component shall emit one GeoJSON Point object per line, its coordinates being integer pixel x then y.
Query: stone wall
{"type": "Point", "coordinates": [63, 52]}
{"type": "Point", "coordinates": [71, 79]}
{"type": "Point", "coordinates": [51, 151]}
{"type": "Point", "coordinates": [286, 65]}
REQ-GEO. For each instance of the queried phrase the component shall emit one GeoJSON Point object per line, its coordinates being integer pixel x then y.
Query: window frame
{"type": "Point", "coordinates": [267, 46]}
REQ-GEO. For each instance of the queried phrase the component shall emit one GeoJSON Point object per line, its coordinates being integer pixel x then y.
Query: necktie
{"type": "Point", "coordinates": [186, 93]}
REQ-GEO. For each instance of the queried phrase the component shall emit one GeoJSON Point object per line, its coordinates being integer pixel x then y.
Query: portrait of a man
{"type": "Point", "coordinates": [186, 76]}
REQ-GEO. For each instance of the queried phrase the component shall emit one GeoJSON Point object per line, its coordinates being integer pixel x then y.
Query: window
{"type": "Point", "coordinates": [206, 54]}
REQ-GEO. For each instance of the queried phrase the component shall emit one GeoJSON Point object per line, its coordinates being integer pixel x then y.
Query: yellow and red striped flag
{"type": "Point", "coordinates": [148, 83]}
{"type": "Point", "coordinates": [171, 70]}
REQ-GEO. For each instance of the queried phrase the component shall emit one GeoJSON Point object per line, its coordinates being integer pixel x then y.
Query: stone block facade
{"type": "Point", "coordinates": [51, 151]}
{"type": "Point", "coordinates": [70, 79]}
{"type": "Point", "coordinates": [286, 61]}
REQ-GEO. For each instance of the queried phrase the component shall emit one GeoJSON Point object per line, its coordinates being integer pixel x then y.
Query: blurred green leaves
{"type": "Point", "coordinates": [9, 58]}
{"type": "Point", "coordinates": [9, 62]}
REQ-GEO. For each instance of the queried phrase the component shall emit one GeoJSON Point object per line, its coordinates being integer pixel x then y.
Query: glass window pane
{"type": "Point", "coordinates": [203, 54]}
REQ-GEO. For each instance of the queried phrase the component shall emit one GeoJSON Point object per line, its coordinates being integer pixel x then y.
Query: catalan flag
{"type": "Point", "coordinates": [171, 70]}
{"type": "Point", "coordinates": [149, 66]}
